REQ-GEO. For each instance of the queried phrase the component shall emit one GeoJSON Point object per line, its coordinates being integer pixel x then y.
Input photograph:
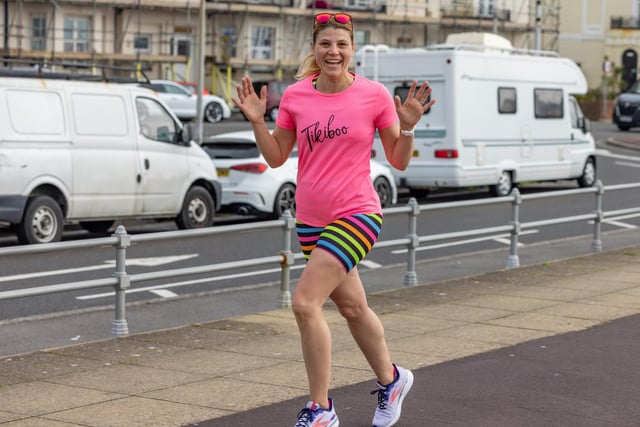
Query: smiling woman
{"type": "Point", "coordinates": [338, 211]}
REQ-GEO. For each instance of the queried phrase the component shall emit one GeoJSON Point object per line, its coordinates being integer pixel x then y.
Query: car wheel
{"type": "Point", "coordinates": [285, 199]}
{"type": "Point", "coordinates": [42, 221]}
{"type": "Point", "coordinates": [504, 185]}
{"type": "Point", "coordinates": [98, 227]}
{"type": "Point", "coordinates": [588, 177]}
{"type": "Point", "coordinates": [383, 188]}
{"type": "Point", "coordinates": [213, 112]}
{"type": "Point", "coordinates": [274, 114]}
{"type": "Point", "coordinates": [197, 211]}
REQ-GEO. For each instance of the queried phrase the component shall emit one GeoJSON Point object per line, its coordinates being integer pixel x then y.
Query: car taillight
{"type": "Point", "coordinates": [446, 154]}
{"type": "Point", "coordinates": [251, 167]}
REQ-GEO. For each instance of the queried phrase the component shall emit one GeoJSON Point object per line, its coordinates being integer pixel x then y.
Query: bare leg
{"type": "Point", "coordinates": [321, 276]}
{"type": "Point", "coordinates": [364, 324]}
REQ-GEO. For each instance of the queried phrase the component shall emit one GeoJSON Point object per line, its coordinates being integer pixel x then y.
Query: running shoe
{"type": "Point", "coordinates": [390, 398]}
{"type": "Point", "coordinates": [314, 416]}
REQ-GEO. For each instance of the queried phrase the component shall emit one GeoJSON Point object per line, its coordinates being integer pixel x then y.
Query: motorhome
{"type": "Point", "coordinates": [91, 153]}
{"type": "Point", "coordinates": [502, 116]}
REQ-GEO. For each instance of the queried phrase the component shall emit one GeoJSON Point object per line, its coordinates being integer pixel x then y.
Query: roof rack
{"type": "Point", "coordinates": [16, 67]}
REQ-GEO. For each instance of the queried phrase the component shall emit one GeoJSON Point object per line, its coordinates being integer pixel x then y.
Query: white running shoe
{"type": "Point", "coordinates": [313, 415]}
{"type": "Point", "coordinates": [390, 398]}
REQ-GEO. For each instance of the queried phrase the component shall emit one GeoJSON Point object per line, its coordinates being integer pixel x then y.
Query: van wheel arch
{"type": "Point", "coordinates": [198, 209]}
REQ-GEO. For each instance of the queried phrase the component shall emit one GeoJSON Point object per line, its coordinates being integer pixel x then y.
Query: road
{"type": "Point", "coordinates": [160, 300]}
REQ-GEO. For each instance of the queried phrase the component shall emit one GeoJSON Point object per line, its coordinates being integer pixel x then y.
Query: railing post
{"type": "Point", "coordinates": [120, 326]}
{"type": "Point", "coordinates": [596, 244]}
{"type": "Point", "coordinates": [513, 261]}
{"type": "Point", "coordinates": [410, 276]}
{"type": "Point", "coordinates": [287, 260]}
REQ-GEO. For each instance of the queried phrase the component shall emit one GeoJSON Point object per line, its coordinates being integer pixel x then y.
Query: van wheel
{"type": "Point", "coordinates": [383, 188]}
{"type": "Point", "coordinates": [285, 199]}
{"type": "Point", "coordinates": [42, 221]}
{"type": "Point", "coordinates": [197, 209]}
{"type": "Point", "coordinates": [213, 112]}
{"type": "Point", "coordinates": [588, 177]}
{"type": "Point", "coordinates": [504, 185]}
{"type": "Point", "coordinates": [97, 227]}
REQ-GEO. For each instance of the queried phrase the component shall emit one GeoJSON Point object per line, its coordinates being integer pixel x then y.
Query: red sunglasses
{"type": "Point", "coordinates": [340, 18]}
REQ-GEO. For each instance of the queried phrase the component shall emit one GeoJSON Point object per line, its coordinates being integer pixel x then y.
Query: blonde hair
{"type": "Point", "coordinates": [309, 66]}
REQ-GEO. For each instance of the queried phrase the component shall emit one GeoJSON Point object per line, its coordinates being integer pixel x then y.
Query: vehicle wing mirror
{"type": "Point", "coordinates": [586, 125]}
{"type": "Point", "coordinates": [184, 134]}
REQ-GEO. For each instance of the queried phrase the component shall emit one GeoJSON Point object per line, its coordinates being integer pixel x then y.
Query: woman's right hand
{"type": "Point", "coordinates": [252, 105]}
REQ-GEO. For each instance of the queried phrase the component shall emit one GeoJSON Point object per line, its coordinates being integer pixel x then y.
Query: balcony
{"type": "Point", "coordinates": [625, 23]}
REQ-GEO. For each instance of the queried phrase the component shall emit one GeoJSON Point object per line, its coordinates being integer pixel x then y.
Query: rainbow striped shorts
{"type": "Point", "coordinates": [348, 239]}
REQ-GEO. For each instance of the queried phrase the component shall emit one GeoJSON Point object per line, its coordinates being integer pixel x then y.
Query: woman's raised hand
{"type": "Point", "coordinates": [252, 104]}
{"type": "Point", "coordinates": [414, 106]}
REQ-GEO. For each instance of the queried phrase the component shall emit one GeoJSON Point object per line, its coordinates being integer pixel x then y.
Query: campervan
{"type": "Point", "coordinates": [502, 116]}
{"type": "Point", "coordinates": [91, 153]}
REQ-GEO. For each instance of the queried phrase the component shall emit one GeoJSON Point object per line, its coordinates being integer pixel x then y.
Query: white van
{"type": "Point", "coordinates": [503, 116]}
{"type": "Point", "coordinates": [93, 153]}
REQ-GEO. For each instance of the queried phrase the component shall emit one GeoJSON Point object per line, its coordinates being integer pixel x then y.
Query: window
{"type": "Point", "coordinates": [38, 33]}
{"type": "Point", "coordinates": [229, 40]}
{"type": "Point", "coordinates": [262, 42]}
{"type": "Point", "coordinates": [548, 103]}
{"type": "Point", "coordinates": [403, 91]}
{"type": "Point", "coordinates": [142, 43]}
{"type": "Point", "coordinates": [486, 8]}
{"type": "Point", "coordinates": [507, 100]}
{"type": "Point", "coordinates": [361, 37]}
{"type": "Point", "coordinates": [76, 34]}
{"type": "Point", "coordinates": [357, 4]}
{"type": "Point", "coordinates": [155, 122]}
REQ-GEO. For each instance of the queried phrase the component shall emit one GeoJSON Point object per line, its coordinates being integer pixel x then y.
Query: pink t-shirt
{"type": "Point", "coordinates": [335, 138]}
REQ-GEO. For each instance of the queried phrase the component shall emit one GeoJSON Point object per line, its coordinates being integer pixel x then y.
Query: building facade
{"type": "Point", "coordinates": [263, 38]}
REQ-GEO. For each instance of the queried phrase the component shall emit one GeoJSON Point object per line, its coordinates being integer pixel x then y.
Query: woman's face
{"type": "Point", "coordinates": [333, 51]}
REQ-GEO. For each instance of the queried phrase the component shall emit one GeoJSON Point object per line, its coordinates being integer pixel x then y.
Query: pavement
{"type": "Point", "coordinates": [553, 343]}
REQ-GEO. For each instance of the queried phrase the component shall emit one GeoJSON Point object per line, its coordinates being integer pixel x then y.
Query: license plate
{"type": "Point", "coordinates": [222, 172]}
{"type": "Point", "coordinates": [625, 118]}
{"type": "Point", "coordinates": [416, 153]}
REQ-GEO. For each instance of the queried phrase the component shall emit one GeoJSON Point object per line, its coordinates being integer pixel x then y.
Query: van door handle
{"type": "Point", "coordinates": [146, 163]}
{"type": "Point", "coordinates": [139, 178]}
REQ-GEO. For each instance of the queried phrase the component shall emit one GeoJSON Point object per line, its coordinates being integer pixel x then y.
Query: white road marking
{"type": "Point", "coordinates": [144, 262]}
{"type": "Point", "coordinates": [633, 165]}
{"type": "Point", "coordinates": [496, 238]}
{"type": "Point", "coordinates": [164, 293]}
{"type": "Point", "coordinates": [372, 265]}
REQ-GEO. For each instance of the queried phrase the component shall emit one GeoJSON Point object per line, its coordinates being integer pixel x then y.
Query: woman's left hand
{"type": "Point", "coordinates": [414, 106]}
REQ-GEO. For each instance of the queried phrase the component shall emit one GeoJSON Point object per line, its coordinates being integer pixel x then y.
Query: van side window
{"type": "Point", "coordinates": [507, 100]}
{"type": "Point", "coordinates": [99, 115]}
{"type": "Point", "coordinates": [36, 112]}
{"type": "Point", "coordinates": [155, 122]}
{"type": "Point", "coordinates": [548, 103]}
{"type": "Point", "coordinates": [403, 91]}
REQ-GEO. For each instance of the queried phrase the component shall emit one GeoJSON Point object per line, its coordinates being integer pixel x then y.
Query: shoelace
{"type": "Point", "coordinates": [304, 416]}
{"type": "Point", "coordinates": [383, 398]}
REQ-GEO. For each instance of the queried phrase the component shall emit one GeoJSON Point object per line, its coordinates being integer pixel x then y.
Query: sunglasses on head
{"type": "Point", "coordinates": [340, 18]}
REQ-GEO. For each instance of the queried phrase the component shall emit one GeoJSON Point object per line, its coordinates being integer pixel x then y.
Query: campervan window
{"type": "Point", "coordinates": [99, 115]}
{"type": "Point", "coordinates": [35, 112]}
{"type": "Point", "coordinates": [507, 99]}
{"type": "Point", "coordinates": [548, 103]}
{"type": "Point", "coordinates": [403, 91]}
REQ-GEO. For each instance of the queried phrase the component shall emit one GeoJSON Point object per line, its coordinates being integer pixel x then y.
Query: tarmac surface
{"type": "Point", "coordinates": [552, 343]}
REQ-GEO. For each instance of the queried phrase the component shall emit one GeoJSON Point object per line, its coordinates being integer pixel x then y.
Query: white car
{"type": "Point", "coordinates": [184, 103]}
{"type": "Point", "coordinates": [251, 187]}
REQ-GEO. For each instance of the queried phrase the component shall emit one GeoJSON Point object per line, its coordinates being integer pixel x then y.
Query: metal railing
{"type": "Point", "coordinates": [120, 280]}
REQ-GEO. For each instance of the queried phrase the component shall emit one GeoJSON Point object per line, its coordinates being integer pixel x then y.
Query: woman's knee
{"type": "Point", "coordinates": [352, 311]}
